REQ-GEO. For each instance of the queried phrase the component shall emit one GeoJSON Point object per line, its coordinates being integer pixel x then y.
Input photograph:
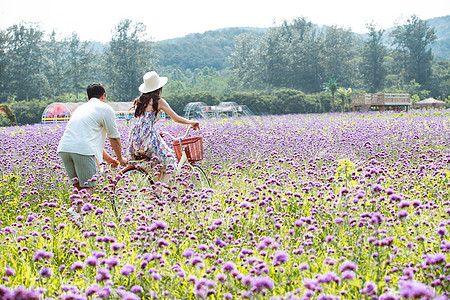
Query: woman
{"type": "Point", "coordinates": [144, 140]}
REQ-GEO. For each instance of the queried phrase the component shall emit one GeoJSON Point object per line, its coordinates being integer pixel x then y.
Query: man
{"type": "Point", "coordinates": [82, 146]}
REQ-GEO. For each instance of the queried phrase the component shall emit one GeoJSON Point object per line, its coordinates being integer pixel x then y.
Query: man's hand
{"type": "Point", "coordinates": [123, 162]}
{"type": "Point", "coordinates": [112, 162]}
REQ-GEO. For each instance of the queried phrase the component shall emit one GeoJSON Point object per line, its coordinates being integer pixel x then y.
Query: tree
{"type": "Point", "coordinates": [302, 49]}
{"type": "Point", "coordinates": [80, 64]}
{"type": "Point", "coordinates": [331, 86]}
{"type": "Point", "coordinates": [3, 64]}
{"type": "Point", "coordinates": [245, 62]}
{"type": "Point", "coordinates": [24, 63]}
{"type": "Point", "coordinates": [128, 57]}
{"type": "Point", "coordinates": [339, 55]}
{"type": "Point", "coordinates": [56, 64]}
{"type": "Point", "coordinates": [373, 53]}
{"type": "Point", "coordinates": [344, 94]}
{"type": "Point", "coordinates": [413, 41]}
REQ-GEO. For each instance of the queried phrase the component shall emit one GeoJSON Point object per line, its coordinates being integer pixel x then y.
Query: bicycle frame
{"type": "Point", "coordinates": [183, 159]}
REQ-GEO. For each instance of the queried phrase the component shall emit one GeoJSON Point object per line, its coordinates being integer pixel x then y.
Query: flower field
{"type": "Point", "coordinates": [330, 206]}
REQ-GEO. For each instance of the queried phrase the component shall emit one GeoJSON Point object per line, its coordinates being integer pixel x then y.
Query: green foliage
{"type": "Point", "coordinates": [24, 60]}
{"type": "Point", "coordinates": [29, 111]}
{"type": "Point", "coordinates": [196, 51]}
{"type": "Point", "coordinates": [413, 40]}
{"type": "Point", "coordinates": [128, 58]}
{"type": "Point", "coordinates": [372, 66]}
{"type": "Point", "coordinates": [179, 101]}
{"type": "Point", "coordinates": [295, 56]}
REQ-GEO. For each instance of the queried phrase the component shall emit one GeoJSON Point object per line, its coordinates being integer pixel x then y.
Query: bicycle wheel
{"type": "Point", "coordinates": [132, 185]}
{"type": "Point", "coordinates": [198, 179]}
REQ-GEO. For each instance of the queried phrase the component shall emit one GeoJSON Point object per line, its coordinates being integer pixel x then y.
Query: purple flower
{"type": "Point", "coordinates": [102, 275]}
{"type": "Point", "coordinates": [162, 243]}
{"type": "Point", "coordinates": [347, 275]}
{"type": "Point", "coordinates": [304, 266]}
{"type": "Point", "coordinates": [310, 284]}
{"type": "Point", "coordinates": [326, 297]}
{"type": "Point", "coordinates": [376, 218]}
{"type": "Point", "coordinates": [228, 267]}
{"type": "Point", "coordinates": [117, 246]}
{"type": "Point", "coordinates": [389, 296]}
{"type": "Point", "coordinates": [227, 296]}
{"type": "Point", "coordinates": [370, 288]}
{"type": "Point", "coordinates": [45, 272]}
{"type": "Point", "coordinates": [10, 271]}
{"type": "Point", "coordinates": [433, 259]}
{"type": "Point", "coordinates": [402, 214]}
{"type": "Point", "coordinates": [158, 224]}
{"type": "Point", "coordinates": [338, 220]}
{"type": "Point", "coordinates": [91, 261]}
{"type": "Point", "coordinates": [441, 231]}
{"type": "Point", "coordinates": [329, 277]}
{"type": "Point", "coordinates": [280, 257]}
{"type": "Point", "coordinates": [156, 276]}
{"type": "Point", "coordinates": [219, 242]}
{"type": "Point", "coordinates": [137, 289]}
{"type": "Point", "coordinates": [221, 277]}
{"type": "Point", "coordinates": [93, 289]}
{"type": "Point", "coordinates": [127, 270]}
{"type": "Point", "coordinates": [41, 254]}
{"type": "Point", "coordinates": [377, 188]}
{"type": "Point", "coordinates": [347, 265]}
{"type": "Point", "coordinates": [259, 284]}
{"type": "Point", "coordinates": [112, 262]}
{"type": "Point", "coordinates": [411, 289]}
{"type": "Point", "coordinates": [188, 252]}
{"type": "Point", "coordinates": [78, 265]}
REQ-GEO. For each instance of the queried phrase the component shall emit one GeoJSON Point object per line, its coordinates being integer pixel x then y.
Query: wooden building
{"type": "Point", "coordinates": [397, 102]}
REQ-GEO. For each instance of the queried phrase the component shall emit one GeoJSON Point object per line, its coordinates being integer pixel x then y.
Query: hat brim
{"type": "Point", "coordinates": [162, 82]}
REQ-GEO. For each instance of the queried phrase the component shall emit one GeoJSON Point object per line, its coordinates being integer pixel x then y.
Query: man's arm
{"type": "Point", "coordinates": [117, 147]}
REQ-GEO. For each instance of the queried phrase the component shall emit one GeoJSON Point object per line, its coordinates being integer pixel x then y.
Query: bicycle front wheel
{"type": "Point", "coordinates": [132, 185]}
{"type": "Point", "coordinates": [198, 178]}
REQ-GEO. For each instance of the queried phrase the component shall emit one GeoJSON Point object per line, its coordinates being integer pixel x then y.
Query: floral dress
{"type": "Point", "coordinates": [144, 140]}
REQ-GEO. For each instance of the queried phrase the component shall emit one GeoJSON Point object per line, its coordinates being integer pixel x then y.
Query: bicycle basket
{"type": "Point", "coordinates": [193, 148]}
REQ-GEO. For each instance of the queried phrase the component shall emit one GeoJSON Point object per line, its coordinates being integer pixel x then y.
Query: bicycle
{"type": "Point", "coordinates": [136, 184]}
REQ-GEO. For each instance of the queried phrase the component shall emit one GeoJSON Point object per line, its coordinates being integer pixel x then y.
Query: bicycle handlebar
{"type": "Point", "coordinates": [178, 138]}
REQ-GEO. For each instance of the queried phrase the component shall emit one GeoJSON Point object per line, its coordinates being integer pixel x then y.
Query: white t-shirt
{"type": "Point", "coordinates": [88, 126]}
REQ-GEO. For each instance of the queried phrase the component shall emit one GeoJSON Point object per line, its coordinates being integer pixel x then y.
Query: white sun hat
{"type": "Point", "coordinates": [152, 82]}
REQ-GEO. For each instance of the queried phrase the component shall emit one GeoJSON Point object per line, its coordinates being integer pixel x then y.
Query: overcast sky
{"type": "Point", "coordinates": [95, 20]}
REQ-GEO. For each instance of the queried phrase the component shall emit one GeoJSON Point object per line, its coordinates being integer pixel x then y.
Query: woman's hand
{"type": "Point", "coordinates": [195, 125]}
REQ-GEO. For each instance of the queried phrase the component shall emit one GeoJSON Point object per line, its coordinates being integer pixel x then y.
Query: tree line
{"type": "Point", "coordinates": [297, 61]}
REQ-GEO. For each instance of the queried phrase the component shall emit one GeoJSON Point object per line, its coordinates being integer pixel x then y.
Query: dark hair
{"type": "Point", "coordinates": [141, 102]}
{"type": "Point", "coordinates": [95, 90]}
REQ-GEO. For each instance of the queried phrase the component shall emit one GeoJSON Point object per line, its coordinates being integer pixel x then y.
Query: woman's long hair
{"type": "Point", "coordinates": [140, 103]}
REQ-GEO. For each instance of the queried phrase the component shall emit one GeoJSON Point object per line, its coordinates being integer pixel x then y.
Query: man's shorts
{"type": "Point", "coordinates": [80, 168]}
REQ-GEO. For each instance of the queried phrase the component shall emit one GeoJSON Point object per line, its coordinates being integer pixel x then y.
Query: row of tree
{"type": "Point", "coordinates": [37, 70]}
{"type": "Point", "coordinates": [299, 55]}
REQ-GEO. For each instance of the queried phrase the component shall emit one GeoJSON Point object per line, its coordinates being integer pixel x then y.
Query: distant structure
{"type": "Point", "coordinates": [225, 109]}
{"type": "Point", "coordinates": [429, 102]}
{"type": "Point", "coordinates": [61, 112]}
{"type": "Point", "coordinates": [397, 102]}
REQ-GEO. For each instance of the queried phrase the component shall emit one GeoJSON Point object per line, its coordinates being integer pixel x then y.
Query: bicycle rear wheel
{"type": "Point", "coordinates": [132, 185]}
{"type": "Point", "coordinates": [198, 178]}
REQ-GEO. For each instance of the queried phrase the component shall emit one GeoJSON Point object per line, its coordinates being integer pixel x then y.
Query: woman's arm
{"type": "Point", "coordinates": [165, 107]}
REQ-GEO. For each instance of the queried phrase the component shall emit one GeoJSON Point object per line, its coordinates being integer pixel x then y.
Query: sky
{"type": "Point", "coordinates": [95, 20]}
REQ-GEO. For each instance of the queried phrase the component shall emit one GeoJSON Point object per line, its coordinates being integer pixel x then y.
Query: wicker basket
{"type": "Point", "coordinates": [194, 148]}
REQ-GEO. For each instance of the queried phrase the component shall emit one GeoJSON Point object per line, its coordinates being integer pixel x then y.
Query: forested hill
{"type": "Point", "coordinates": [197, 50]}
{"type": "Point", "coordinates": [212, 48]}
